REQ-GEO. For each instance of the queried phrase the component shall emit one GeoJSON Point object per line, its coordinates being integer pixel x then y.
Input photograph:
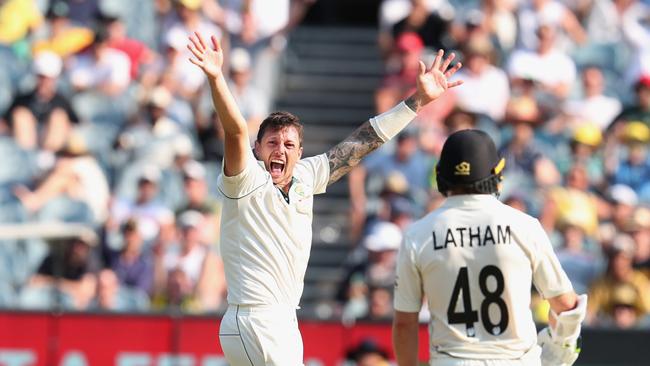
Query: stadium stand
{"type": "Point", "coordinates": [139, 131]}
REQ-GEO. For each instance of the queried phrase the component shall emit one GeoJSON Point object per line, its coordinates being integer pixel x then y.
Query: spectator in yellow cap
{"type": "Point", "coordinates": [64, 37]}
{"type": "Point", "coordinates": [626, 312]}
{"type": "Point", "coordinates": [636, 132]}
{"type": "Point", "coordinates": [584, 149]}
{"type": "Point", "coordinates": [604, 296]}
{"type": "Point", "coordinates": [572, 202]}
{"type": "Point", "coordinates": [638, 227]}
{"type": "Point", "coordinates": [191, 4]}
{"type": "Point", "coordinates": [634, 168]}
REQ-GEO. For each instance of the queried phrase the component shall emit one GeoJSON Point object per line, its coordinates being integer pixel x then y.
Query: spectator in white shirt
{"type": "Point", "coordinates": [624, 25]}
{"type": "Point", "coordinates": [486, 88]}
{"type": "Point", "coordinates": [101, 68]}
{"type": "Point", "coordinates": [500, 21]}
{"type": "Point", "coordinates": [252, 102]}
{"type": "Point", "coordinates": [145, 208]}
{"type": "Point", "coordinates": [552, 69]}
{"type": "Point", "coordinates": [594, 106]}
{"type": "Point", "coordinates": [189, 19]}
{"type": "Point", "coordinates": [533, 14]}
{"type": "Point", "coordinates": [179, 76]}
{"type": "Point", "coordinates": [252, 22]}
{"type": "Point", "coordinates": [202, 267]}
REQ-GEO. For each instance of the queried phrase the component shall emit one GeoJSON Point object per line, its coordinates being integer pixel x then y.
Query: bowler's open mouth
{"type": "Point", "coordinates": [277, 166]}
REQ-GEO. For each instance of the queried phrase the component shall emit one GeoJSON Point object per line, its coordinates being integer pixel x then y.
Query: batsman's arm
{"type": "Point", "coordinates": [431, 84]}
{"type": "Point", "coordinates": [405, 338]}
{"type": "Point", "coordinates": [560, 341]}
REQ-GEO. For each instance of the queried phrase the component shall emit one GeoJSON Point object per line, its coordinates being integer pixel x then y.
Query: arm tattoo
{"type": "Point", "coordinates": [412, 103]}
{"type": "Point", "coordinates": [347, 154]}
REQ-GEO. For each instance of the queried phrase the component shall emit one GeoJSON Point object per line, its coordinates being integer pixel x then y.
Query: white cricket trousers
{"type": "Point", "coordinates": [531, 358]}
{"type": "Point", "coordinates": [258, 335]}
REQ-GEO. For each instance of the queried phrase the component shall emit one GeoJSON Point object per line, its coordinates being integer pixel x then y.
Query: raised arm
{"type": "Point", "coordinates": [431, 84]}
{"type": "Point", "coordinates": [236, 144]}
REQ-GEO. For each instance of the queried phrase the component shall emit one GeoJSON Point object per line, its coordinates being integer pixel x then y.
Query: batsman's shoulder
{"type": "Point", "coordinates": [518, 217]}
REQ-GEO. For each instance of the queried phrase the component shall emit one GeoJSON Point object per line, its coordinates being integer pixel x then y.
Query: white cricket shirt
{"type": "Point", "coordinates": [476, 260]}
{"type": "Point", "coordinates": [265, 241]}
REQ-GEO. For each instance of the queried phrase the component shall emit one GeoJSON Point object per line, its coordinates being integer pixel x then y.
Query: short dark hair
{"type": "Point", "coordinates": [130, 225]}
{"type": "Point", "coordinates": [101, 36]}
{"type": "Point", "coordinates": [278, 121]}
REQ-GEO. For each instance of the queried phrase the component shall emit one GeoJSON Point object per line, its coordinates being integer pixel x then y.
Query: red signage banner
{"type": "Point", "coordinates": [43, 339]}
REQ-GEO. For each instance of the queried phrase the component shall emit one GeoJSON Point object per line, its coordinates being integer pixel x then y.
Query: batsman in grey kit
{"type": "Point", "coordinates": [476, 259]}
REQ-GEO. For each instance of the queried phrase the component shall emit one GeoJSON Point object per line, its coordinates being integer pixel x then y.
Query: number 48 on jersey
{"type": "Point", "coordinates": [470, 316]}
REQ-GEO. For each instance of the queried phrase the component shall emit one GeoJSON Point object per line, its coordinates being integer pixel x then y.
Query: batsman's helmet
{"type": "Point", "coordinates": [469, 161]}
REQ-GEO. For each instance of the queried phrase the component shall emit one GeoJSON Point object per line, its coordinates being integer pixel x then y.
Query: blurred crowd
{"type": "Point", "coordinates": [105, 122]}
{"type": "Point", "coordinates": [563, 87]}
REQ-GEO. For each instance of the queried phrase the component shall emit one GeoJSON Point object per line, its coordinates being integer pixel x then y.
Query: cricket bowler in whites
{"type": "Point", "coordinates": [475, 259]}
{"type": "Point", "coordinates": [267, 210]}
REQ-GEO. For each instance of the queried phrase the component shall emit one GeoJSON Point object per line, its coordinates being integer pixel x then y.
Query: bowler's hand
{"type": "Point", "coordinates": [432, 83]}
{"type": "Point", "coordinates": [210, 60]}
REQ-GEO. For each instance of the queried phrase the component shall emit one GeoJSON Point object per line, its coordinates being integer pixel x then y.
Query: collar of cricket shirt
{"type": "Point", "coordinates": [292, 185]}
{"type": "Point", "coordinates": [468, 199]}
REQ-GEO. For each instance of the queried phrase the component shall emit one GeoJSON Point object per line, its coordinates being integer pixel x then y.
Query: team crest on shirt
{"type": "Point", "coordinates": [302, 193]}
{"type": "Point", "coordinates": [301, 190]}
{"type": "Point", "coordinates": [462, 169]}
